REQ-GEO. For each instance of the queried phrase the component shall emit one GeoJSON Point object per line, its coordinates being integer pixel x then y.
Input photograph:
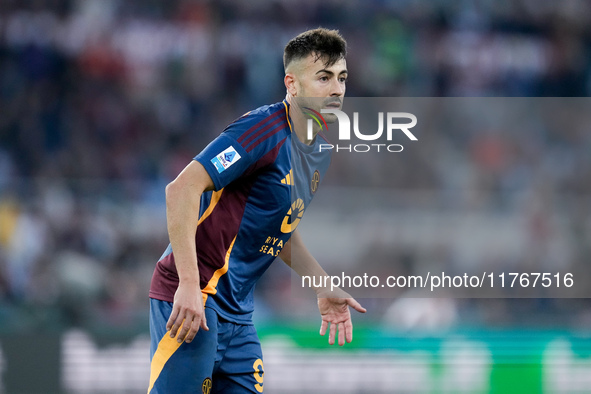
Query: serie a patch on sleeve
{"type": "Point", "coordinates": [225, 159]}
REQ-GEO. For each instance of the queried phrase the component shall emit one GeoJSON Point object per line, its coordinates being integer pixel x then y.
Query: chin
{"type": "Point", "coordinates": [330, 118]}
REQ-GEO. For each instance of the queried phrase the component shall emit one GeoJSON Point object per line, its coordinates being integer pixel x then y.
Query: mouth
{"type": "Point", "coordinates": [333, 104]}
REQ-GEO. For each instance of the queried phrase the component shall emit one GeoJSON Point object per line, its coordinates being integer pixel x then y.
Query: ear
{"type": "Point", "coordinates": [290, 84]}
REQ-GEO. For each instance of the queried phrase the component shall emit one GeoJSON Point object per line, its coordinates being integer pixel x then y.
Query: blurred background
{"type": "Point", "coordinates": [103, 102]}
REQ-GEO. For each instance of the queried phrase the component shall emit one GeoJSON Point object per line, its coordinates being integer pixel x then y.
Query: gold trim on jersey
{"type": "Point", "coordinates": [287, 115]}
{"type": "Point", "coordinates": [215, 198]}
{"type": "Point", "coordinates": [213, 282]}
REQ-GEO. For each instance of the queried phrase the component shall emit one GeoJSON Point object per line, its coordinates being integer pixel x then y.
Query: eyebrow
{"type": "Point", "coordinates": [324, 70]}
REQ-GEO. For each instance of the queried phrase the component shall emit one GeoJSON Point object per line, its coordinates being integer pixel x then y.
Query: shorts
{"type": "Point", "coordinates": [225, 359]}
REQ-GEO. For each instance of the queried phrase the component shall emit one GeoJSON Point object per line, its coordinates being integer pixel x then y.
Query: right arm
{"type": "Point", "coordinates": [333, 305]}
{"type": "Point", "coordinates": [183, 196]}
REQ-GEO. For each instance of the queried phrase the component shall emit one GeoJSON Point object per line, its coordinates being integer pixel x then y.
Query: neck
{"type": "Point", "coordinates": [299, 122]}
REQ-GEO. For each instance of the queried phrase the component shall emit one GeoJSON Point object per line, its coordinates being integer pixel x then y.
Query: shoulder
{"type": "Point", "coordinates": [266, 111]}
{"type": "Point", "coordinates": [266, 123]}
{"type": "Point", "coordinates": [260, 117]}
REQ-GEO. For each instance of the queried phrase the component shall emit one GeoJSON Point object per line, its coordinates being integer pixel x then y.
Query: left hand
{"type": "Point", "coordinates": [336, 312]}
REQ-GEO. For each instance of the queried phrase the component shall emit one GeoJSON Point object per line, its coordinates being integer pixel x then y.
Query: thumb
{"type": "Point", "coordinates": [355, 305]}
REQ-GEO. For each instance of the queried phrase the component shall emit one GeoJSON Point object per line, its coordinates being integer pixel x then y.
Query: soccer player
{"type": "Point", "coordinates": [230, 213]}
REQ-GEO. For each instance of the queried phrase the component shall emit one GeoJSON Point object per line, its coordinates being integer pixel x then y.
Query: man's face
{"type": "Point", "coordinates": [325, 85]}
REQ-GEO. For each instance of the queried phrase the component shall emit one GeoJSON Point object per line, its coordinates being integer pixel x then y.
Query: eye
{"type": "Point", "coordinates": [343, 79]}
{"type": "Point", "coordinates": [324, 79]}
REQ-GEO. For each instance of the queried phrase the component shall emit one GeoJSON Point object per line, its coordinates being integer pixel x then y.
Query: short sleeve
{"type": "Point", "coordinates": [224, 159]}
{"type": "Point", "coordinates": [239, 146]}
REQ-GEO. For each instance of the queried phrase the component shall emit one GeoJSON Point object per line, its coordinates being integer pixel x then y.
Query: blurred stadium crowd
{"type": "Point", "coordinates": [104, 102]}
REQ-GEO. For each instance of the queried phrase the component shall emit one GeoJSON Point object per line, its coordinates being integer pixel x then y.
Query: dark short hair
{"type": "Point", "coordinates": [321, 42]}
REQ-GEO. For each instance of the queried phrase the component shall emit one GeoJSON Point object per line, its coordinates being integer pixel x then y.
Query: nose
{"type": "Point", "coordinates": [337, 88]}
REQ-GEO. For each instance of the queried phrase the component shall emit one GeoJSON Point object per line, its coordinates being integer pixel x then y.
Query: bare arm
{"type": "Point", "coordinates": [304, 262]}
{"type": "Point", "coordinates": [334, 308]}
{"type": "Point", "coordinates": [183, 196]}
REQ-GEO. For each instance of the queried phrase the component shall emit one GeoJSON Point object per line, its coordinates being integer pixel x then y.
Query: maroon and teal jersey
{"type": "Point", "coordinates": [264, 179]}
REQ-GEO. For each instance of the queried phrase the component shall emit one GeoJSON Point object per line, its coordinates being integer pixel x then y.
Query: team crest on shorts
{"type": "Point", "coordinates": [206, 386]}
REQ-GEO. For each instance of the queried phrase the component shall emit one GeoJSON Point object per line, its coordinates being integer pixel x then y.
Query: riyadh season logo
{"type": "Point", "coordinates": [392, 126]}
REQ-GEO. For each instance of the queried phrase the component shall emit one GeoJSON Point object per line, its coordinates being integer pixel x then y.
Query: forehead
{"type": "Point", "coordinates": [312, 64]}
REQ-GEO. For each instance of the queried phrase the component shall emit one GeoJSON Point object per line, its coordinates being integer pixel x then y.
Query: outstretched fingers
{"type": "Point", "coordinates": [355, 305]}
{"type": "Point", "coordinates": [323, 327]}
{"type": "Point", "coordinates": [349, 331]}
{"type": "Point", "coordinates": [332, 333]}
{"type": "Point", "coordinates": [336, 319]}
{"type": "Point", "coordinates": [341, 334]}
